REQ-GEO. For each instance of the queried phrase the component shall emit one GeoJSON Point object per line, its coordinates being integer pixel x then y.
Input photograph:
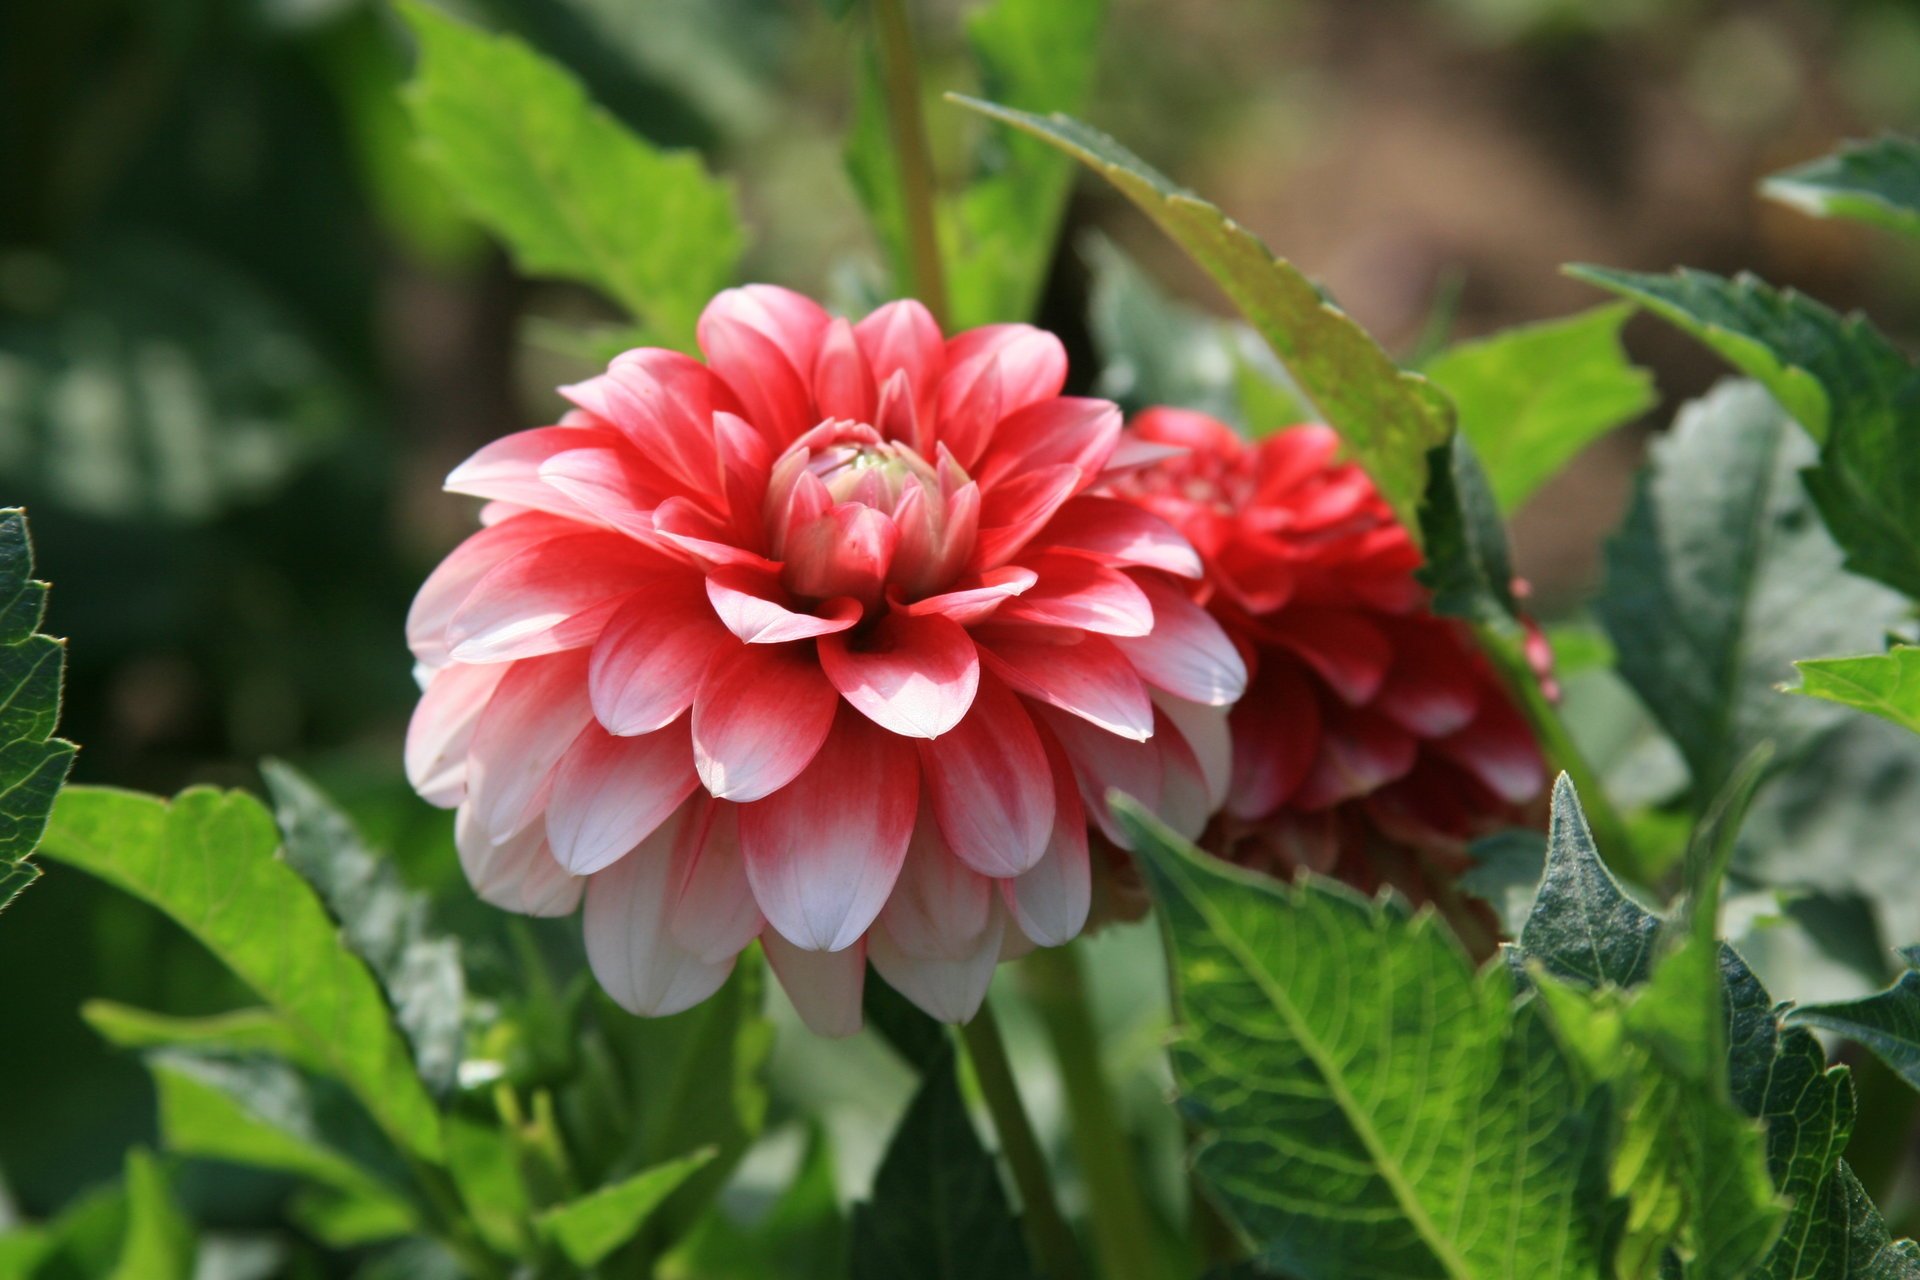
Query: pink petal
{"type": "Point", "coordinates": [1205, 729]}
{"type": "Point", "coordinates": [823, 852]}
{"type": "Point", "coordinates": [940, 905]}
{"type": "Point", "coordinates": [774, 397]}
{"type": "Point", "coordinates": [976, 600]}
{"type": "Point", "coordinates": [611, 793]}
{"type": "Point", "coordinates": [844, 553]}
{"type": "Point", "coordinates": [555, 595]}
{"type": "Point", "coordinates": [1064, 431]}
{"type": "Point", "coordinates": [990, 786]}
{"type": "Point", "coordinates": [533, 717]}
{"type": "Point", "coordinates": [1133, 454]}
{"type": "Point", "coordinates": [604, 486]}
{"type": "Point", "coordinates": [1186, 429]}
{"type": "Point", "coordinates": [448, 586]}
{"type": "Point", "coordinates": [441, 731]}
{"type": "Point", "coordinates": [994, 371]}
{"type": "Point", "coordinates": [1076, 671]}
{"type": "Point", "coordinates": [663, 402]}
{"type": "Point", "coordinates": [1185, 800]}
{"type": "Point", "coordinates": [792, 321]}
{"type": "Point", "coordinates": [744, 600]}
{"type": "Point", "coordinates": [704, 537]}
{"type": "Point", "coordinates": [913, 676]}
{"type": "Point", "coordinates": [1276, 738]}
{"type": "Point", "coordinates": [969, 408]}
{"type": "Point", "coordinates": [1432, 689]}
{"type": "Point", "coordinates": [759, 718]}
{"type": "Point", "coordinates": [520, 875]}
{"type": "Point", "coordinates": [843, 384]}
{"type": "Point", "coordinates": [949, 989]}
{"type": "Point", "coordinates": [1051, 899]}
{"type": "Point", "coordinates": [508, 470]}
{"type": "Point", "coordinates": [1347, 650]}
{"type": "Point", "coordinates": [1013, 513]}
{"type": "Point", "coordinates": [715, 915]}
{"type": "Point", "coordinates": [1104, 762]}
{"type": "Point", "coordinates": [1188, 654]}
{"type": "Point", "coordinates": [1359, 753]}
{"type": "Point", "coordinates": [824, 986]}
{"type": "Point", "coordinates": [902, 337]}
{"type": "Point", "coordinates": [652, 655]}
{"type": "Point", "coordinates": [1073, 592]}
{"type": "Point", "coordinates": [1119, 533]}
{"type": "Point", "coordinates": [629, 946]}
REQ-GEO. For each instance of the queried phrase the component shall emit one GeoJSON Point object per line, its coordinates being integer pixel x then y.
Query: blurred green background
{"type": "Point", "coordinates": [243, 335]}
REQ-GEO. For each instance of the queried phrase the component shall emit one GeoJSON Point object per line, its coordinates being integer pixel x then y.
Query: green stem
{"type": "Point", "coordinates": [900, 75]}
{"type": "Point", "coordinates": [1052, 1240]}
{"type": "Point", "coordinates": [1118, 1208]}
{"type": "Point", "coordinates": [1609, 829]}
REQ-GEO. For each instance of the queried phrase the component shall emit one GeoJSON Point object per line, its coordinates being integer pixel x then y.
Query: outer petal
{"type": "Point", "coordinates": [949, 989]}
{"type": "Point", "coordinates": [990, 785]}
{"type": "Point", "coordinates": [994, 371]}
{"type": "Point", "coordinates": [1498, 749]}
{"type": "Point", "coordinates": [843, 384]}
{"type": "Point", "coordinates": [1121, 534]}
{"type": "Point", "coordinates": [534, 716]}
{"type": "Point", "coordinates": [611, 793]}
{"type": "Point", "coordinates": [1206, 733]}
{"type": "Point", "coordinates": [774, 396]}
{"type": "Point", "coordinates": [520, 875]}
{"type": "Point", "coordinates": [452, 581]}
{"type": "Point", "coordinates": [1433, 689]}
{"type": "Point", "coordinates": [1360, 752]}
{"type": "Point", "coordinates": [792, 321]}
{"type": "Point", "coordinates": [1066, 430]}
{"type": "Point", "coordinates": [914, 676]}
{"type": "Point", "coordinates": [977, 598]}
{"type": "Point", "coordinates": [760, 717]}
{"type": "Point", "coordinates": [744, 599]}
{"type": "Point", "coordinates": [1185, 799]}
{"type": "Point", "coordinates": [441, 731]}
{"type": "Point", "coordinates": [823, 852]}
{"type": "Point", "coordinates": [715, 915]}
{"type": "Point", "coordinates": [555, 595]}
{"type": "Point", "coordinates": [902, 337]}
{"type": "Point", "coordinates": [508, 469]}
{"type": "Point", "coordinates": [825, 986]}
{"type": "Point", "coordinates": [1103, 762]}
{"type": "Point", "coordinates": [1349, 651]}
{"type": "Point", "coordinates": [1079, 672]}
{"type": "Point", "coordinates": [629, 946]}
{"type": "Point", "coordinates": [1050, 901]}
{"type": "Point", "coordinates": [1078, 593]}
{"type": "Point", "coordinates": [1188, 654]}
{"type": "Point", "coordinates": [940, 905]}
{"type": "Point", "coordinates": [651, 657]}
{"type": "Point", "coordinates": [1015, 511]}
{"type": "Point", "coordinates": [1276, 738]}
{"type": "Point", "coordinates": [663, 402]}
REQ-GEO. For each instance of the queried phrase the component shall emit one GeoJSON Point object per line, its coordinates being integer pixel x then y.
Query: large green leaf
{"type": "Point", "coordinates": [1877, 182]}
{"type": "Point", "coordinates": [1887, 1022]}
{"type": "Point", "coordinates": [593, 1226]}
{"type": "Point", "coordinates": [383, 921]}
{"type": "Point", "coordinates": [159, 1241]}
{"type": "Point", "coordinates": [208, 860]}
{"type": "Point", "coordinates": [1721, 577]}
{"type": "Point", "coordinates": [1584, 928]}
{"type": "Point", "coordinates": [938, 1209]}
{"type": "Point", "coordinates": [1885, 684]}
{"type": "Point", "coordinates": [1468, 568]}
{"type": "Point", "coordinates": [1844, 382]}
{"type": "Point", "coordinates": [260, 1031]}
{"type": "Point", "coordinates": [570, 190]}
{"type": "Point", "coordinates": [33, 763]}
{"type": "Point", "coordinates": [998, 229]}
{"type": "Point", "coordinates": [1370, 1105]}
{"type": "Point", "coordinates": [1532, 397]}
{"type": "Point", "coordinates": [1388, 418]}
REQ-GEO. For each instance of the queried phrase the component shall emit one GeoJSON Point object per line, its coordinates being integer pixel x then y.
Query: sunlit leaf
{"type": "Point", "coordinates": [159, 1240]}
{"type": "Point", "coordinates": [570, 190]}
{"type": "Point", "coordinates": [1721, 576]}
{"type": "Point", "coordinates": [1369, 1105]}
{"type": "Point", "coordinates": [1884, 684]}
{"type": "Point", "coordinates": [1532, 397]}
{"type": "Point", "coordinates": [938, 1208]}
{"type": "Point", "coordinates": [1877, 182]}
{"type": "Point", "coordinates": [590, 1228]}
{"type": "Point", "coordinates": [242, 1031]}
{"type": "Point", "coordinates": [208, 860]}
{"type": "Point", "coordinates": [1389, 419]}
{"type": "Point", "coordinates": [33, 763]}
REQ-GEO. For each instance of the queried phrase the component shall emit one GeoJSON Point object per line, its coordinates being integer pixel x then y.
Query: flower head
{"type": "Point", "coordinates": [1373, 741]}
{"type": "Point", "coordinates": [823, 641]}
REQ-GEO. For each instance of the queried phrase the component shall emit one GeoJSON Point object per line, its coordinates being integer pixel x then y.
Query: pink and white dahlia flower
{"type": "Point", "coordinates": [824, 642]}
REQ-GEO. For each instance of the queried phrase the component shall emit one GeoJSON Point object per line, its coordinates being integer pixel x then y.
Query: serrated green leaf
{"type": "Point", "coordinates": [998, 229]}
{"type": "Point", "coordinates": [590, 1228]}
{"type": "Point", "coordinates": [570, 190]}
{"type": "Point", "coordinates": [383, 921]}
{"type": "Point", "coordinates": [1721, 577]}
{"type": "Point", "coordinates": [1877, 182]}
{"type": "Point", "coordinates": [1468, 568]}
{"type": "Point", "coordinates": [938, 1208]}
{"type": "Point", "coordinates": [1371, 1106]}
{"type": "Point", "coordinates": [1586, 929]}
{"type": "Point", "coordinates": [1532, 397]}
{"type": "Point", "coordinates": [208, 860]}
{"type": "Point", "coordinates": [33, 763]}
{"type": "Point", "coordinates": [1389, 419]}
{"type": "Point", "coordinates": [1887, 1022]}
{"type": "Point", "coordinates": [159, 1241]}
{"type": "Point", "coordinates": [1884, 684]}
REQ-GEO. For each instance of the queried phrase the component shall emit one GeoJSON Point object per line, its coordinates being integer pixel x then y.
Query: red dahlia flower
{"type": "Point", "coordinates": [824, 642]}
{"type": "Point", "coordinates": [1374, 740]}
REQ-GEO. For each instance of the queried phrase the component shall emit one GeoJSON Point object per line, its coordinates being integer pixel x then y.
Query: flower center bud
{"type": "Point", "coordinates": [873, 475]}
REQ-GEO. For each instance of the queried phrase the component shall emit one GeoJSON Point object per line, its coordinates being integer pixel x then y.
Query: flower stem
{"type": "Point", "coordinates": [1610, 834]}
{"type": "Point", "coordinates": [900, 75]}
{"type": "Point", "coordinates": [1118, 1208]}
{"type": "Point", "coordinates": [1053, 1241]}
